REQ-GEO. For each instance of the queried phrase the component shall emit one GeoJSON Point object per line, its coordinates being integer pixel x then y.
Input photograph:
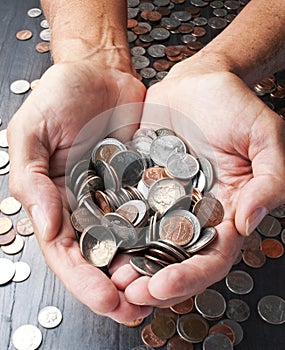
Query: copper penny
{"type": "Point", "coordinates": [199, 31]}
{"type": "Point", "coordinates": [192, 327]}
{"type": "Point", "coordinates": [5, 225]}
{"type": "Point", "coordinates": [139, 30]}
{"type": "Point", "coordinates": [254, 258]}
{"type": "Point", "coordinates": [10, 206]}
{"type": "Point", "coordinates": [24, 227]}
{"type": "Point", "coordinates": [178, 343]}
{"type": "Point", "coordinates": [272, 248]}
{"type": "Point", "coordinates": [150, 339]}
{"type": "Point", "coordinates": [134, 323]}
{"type": "Point", "coordinates": [163, 327]}
{"type": "Point", "coordinates": [184, 307]}
{"type": "Point", "coordinates": [209, 211]}
{"type": "Point", "coordinates": [177, 229]}
{"type": "Point", "coordinates": [132, 23]}
{"type": "Point", "coordinates": [42, 47]}
{"type": "Point", "coordinates": [151, 175]}
{"type": "Point", "coordinates": [223, 329]}
{"type": "Point", "coordinates": [164, 11]}
{"type": "Point", "coordinates": [154, 16]}
{"type": "Point", "coordinates": [15, 247]}
{"type": "Point", "coordinates": [172, 51]}
{"type": "Point", "coordinates": [166, 312]}
{"type": "Point", "coordinates": [177, 58]}
{"type": "Point", "coordinates": [8, 237]}
{"type": "Point", "coordinates": [195, 45]}
{"type": "Point", "coordinates": [194, 10]}
{"type": "Point", "coordinates": [129, 212]}
{"type": "Point", "coordinates": [161, 65]}
{"type": "Point", "coordinates": [24, 34]}
{"type": "Point", "coordinates": [144, 14]}
{"type": "Point", "coordinates": [187, 52]}
{"type": "Point", "coordinates": [103, 201]}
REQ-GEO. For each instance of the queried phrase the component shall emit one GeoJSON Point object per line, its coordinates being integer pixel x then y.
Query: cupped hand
{"type": "Point", "coordinates": [245, 141]}
{"type": "Point", "coordinates": [40, 136]}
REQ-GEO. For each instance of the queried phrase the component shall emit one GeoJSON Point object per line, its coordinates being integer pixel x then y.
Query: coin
{"type": "Point", "coordinates": [15, 247]}
{"type": "Point", "coordinates": [269, 226]}
{"type": "Point", "coordinates": [209, 211]}
{"type": "Point", "coordinates": [207, 236]}
{"type": "Point", "coordinates": [50, 317]}
{"type": "Point", "coordinates": [237, 310]}
{"type": "Point", "coordinates": [4, 159]}
{"type": "Point", "coordinates": [283, 236]}
{"type": "Point", "coordinates": [5, 225]}
{"type": "Point", "coordinates": [134, 323]}
{"type": "Point", "coordinates": [178, 343]}
{"type": "Point", "coordinates": [182, 165]}
{"type": "Point", "coordinates": [237, 329]}
{"type": "Point", "coordinates": [210, 303]}
{"type": "Point", "coordinates": [272, 248]}
{"type": "Point", "coordinates": [7, 270]}
{"type": "Point", "coordinates": [271, 309]}
{"type": "Point", "coordinates": [239, 282]}
{"type": "Point", "coordinates": [81, 218]}
{"type": "Point", "coordinates": [3, 138]}
{"type": "Point", "coordinates": [145, 266]}
{"type": "Point", "coordinates": [34, 12]}
{"type": "Point", "coordinates": [184, 307]}
{"type": "Point", "coordinates": [42, 47]}
{"type": "Point", "coordinates": [24, 34]}
{"type": "Point", "coordinates": [254, 257]}
{"type": "Point", "coordinates": [27, 337]}
{"type": "Point", "coordinates": [8, 237]}
{"type": "Point", "coordinates": [192, 327]}
{"type": "Point", "coordinates": [279, 212]}
{"type": "Point", "coordinates": [177, 229]}
{"type": "Point", "coordinates": [223, 329]}
{"type": "Point", "coordinates": [252, 241]}
{"type": "Point", "coordinates": [166, 312]}
{"type": "Point", "coordinates": [20, 86]}
{"type": "Point", "coordinates": [217, 341]}
{"type": "Point", "coordinates": [150, 339]}
{"type": "Point", "coordinates": [163, 327]}
{"type": "Point", "coordinates": [24, 227]}
{"type": "Point", "coordinates": [23, 271]}
{"type": "Point", "coordinates": [10, 206]}
{"type": "Point", "coordinates": [45, 34]}
{"type": "Point", "coordinates": [44, 24]}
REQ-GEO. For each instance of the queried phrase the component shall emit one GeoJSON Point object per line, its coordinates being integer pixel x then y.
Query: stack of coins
{"type": "Point", "coordinates": [149, 198]}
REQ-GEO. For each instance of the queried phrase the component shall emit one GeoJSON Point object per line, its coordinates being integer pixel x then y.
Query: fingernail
{"type": "Point", "coordinates": [39, 220]}
{"type": "Point", "coordinates": [254, 220]}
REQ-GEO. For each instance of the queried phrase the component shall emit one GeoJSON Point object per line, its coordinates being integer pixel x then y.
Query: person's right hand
{"type": "Point", "coordinates": [40, 136]}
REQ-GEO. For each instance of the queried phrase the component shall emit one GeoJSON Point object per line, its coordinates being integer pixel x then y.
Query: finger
{"type": "Point", "coordinates": [124, 276]}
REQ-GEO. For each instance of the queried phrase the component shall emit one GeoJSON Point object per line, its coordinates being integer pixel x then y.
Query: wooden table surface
{"type": "Point", "coordinates": [80, 328]}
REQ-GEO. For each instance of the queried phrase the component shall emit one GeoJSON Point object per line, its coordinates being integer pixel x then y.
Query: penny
{"type": "Point", "coordinates": [210, 304]}
{"type": "Point", "coordinates": [139, 29]}
{"type": "Point", "coordinates": [152, 174]}
{"type": "Point", "coordinates": [161, 65]}
{"type": "Point", "coordinates": [7, 237]}
{"type": "Point", "coordinates": [42, 47]}
{"type": "Point", "coordinates": [103, 201]}
{"type": "Point", "coordinates": [10, 206]}
{"type": "Point", "coordinates": [145, 266]}
{"type": "Point", "coordinates": [237, 310]}
{"type": "Point", "coordinates": [7, 270]}
{"type": "Point", "coordinates": [217, 341]}
{"type": "Point", "coordinates": [269, 227]}
{"type": "Point", "coordinates": [199, 32]}
{"type": "Point", "coordinates": [49, 317]}
{"type": "Point", "coordinates": [154, 16]}
{"type": "Point", "coordinates": [4, 159]}
{"type": "Point", "coordinates": [186, 28]}
{"type": "Point", "coordinates": [20, 86]}
{"type": "Point", "coordinates": [24, 35]}
{"type": "Point", "coordinates": [34, 12]}
{"type": "Point", "coordinates": [165, 312]}
{"type": "Point", "coordinates": [192, 327]}
{"type": "Point", "coordinates": [184, 307]}
{"type": "Point", "coordinates": [34, 83]}
{"type": "Point", "coordinates": [163, 327]}
{"type": "Point", "coordinates": [177, 229]}
{"type": "Point", "coordinates": [178, 343]}
{"type": "Point", "coordinates": [195, 45]}
{"type": "Point", "coordinates": [129, 212]}
{"type": "Point", "coordinates": [150, 339]}
{"type": "Point", "coordinates": [254, 257]}
{"type": "Point", "coordinates": [239, 282]}
{"type": "Point", "coordinates": [15, 247]}
{"type": "Point", "coordinates": [27, 337]}
{"type": "Point", "coordinates": [24, 227]}
{"type": "Point", "coordinates": [23, 271]}
{"type": "Point", "coordinates": [223, 329]}
{"type": "Point", "coordinates": [134, 323]}
{"type": "Point", "coordinates": [271, 308]}
{"type": "Point", "coordinates": [252, 241]}
{"type": "Point", "coordinates": [172, 51]}
{"type": "Point", "coordinates": [209, 211]}
{"type": "Point", "coordinates": [44, 24]}
{"type": "Point", "coordinates": [5, 225]}
{"type": "Point", "coordinates": [237, 329]}
{"type": "Point", "coordinates": [272, 248]}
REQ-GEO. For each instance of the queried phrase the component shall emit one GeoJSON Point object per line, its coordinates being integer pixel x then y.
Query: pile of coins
{"type": "Point", "coordinates": [149, 198]}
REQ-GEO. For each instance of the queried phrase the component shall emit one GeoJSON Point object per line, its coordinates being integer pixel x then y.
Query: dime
{"type": "Point", "coordinates": [156, 51]}
{"type": "Point", "coordinates": [145, 266]}
{"type": "Point", "coordinates": [177, 229]}
{"type": "Point", "coordinates": [34, 12]}
{"type": "Point", "coordinates": [254, 257]}
{"type": "Point", "coordinates": [140, 62]}
{"type": "Point", "coordinates": [148, 73]}
{"type": "Point", "coordinates": [239, 282]}
{"type": "Point", "coordinates": [210, 303]}
{"type": "Point", "coordinates": [27, 337]}
{"type": "Point", "coordinates": [8, 237]}
{"type": "Point", "coordinates": [192, 327]}
{"type": "Point", "coordinates": [20, 86]}
{"type": "Point", "coordinates": [283, 236]}
{"type": "Point", "coordinates": [24, 35]}
{"type": "Point", "coordinates": [4, 159]}
{"type": "Point", "coordinates": [163, 327]}
{"type": "Point", "coordinates": [49, 317]}
{"type": "Point", "coordinates": [269, 227]}
{"type": "Point", "coordinates": [15, 247]}
{"type": "Point", "coordinates": [217, 23]}
{"type": "Point", "coordinates": [271, 309]}
{"type": "Point", "coordinates": [10, 206]}
{"type": "Point", "coordinates": [45, 34]}
{"type": "Point", "coordinates": [159, 34]}
{"type": "Point", "coordinates": [217, 341]}
{"type": "Point", "coordinates": [24, 227]}
{"type": "Point", "coordinates": [209, 211]}
{"type": "Point", "coordinates": [145, 132]}
{"type": "Point", "coordinates": [272, 248]}
{"type": "Point", "coordinates": [5, 225]}
{"type": "Point", "coordinates": [42, 47]}
{"type": "Point", "coordinates": [150, 339]}
{"type": "Point", "coordinates": [237, 329]}
{"type": "Point", "coordinates": [208, 171]}
{"type": "Point", "coordinates": [184, 307]}
{"type": "Point", "coordinates": [221, 328]}
{"type": "Point", "coordinates": [3, 138]}
{"type": "Point", "coordinates": [237, 310]}
{"type": "Point", "coordinates": [23, 271]}
{"type": "Point", "coordinates": [182, 165]}
{"type": "Point", "coordinates": [44, 24]}
{"type": "Point", "coordinates": [7, 270]}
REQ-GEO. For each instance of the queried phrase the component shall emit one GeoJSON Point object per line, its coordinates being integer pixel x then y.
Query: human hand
{"type": "Point", "coordinates": [40, 136]}
{"type": "Point", "coordinates": [245, 141]}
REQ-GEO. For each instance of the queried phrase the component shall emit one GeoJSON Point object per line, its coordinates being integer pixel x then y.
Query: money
{"type": "Point", "coordinates": [20, 86]}
{"type": "Point", "coordinates": [23, 271]}
{"type": "Point", "coordinates": [27, 337]}
{"type": "Point", "coordinates": [49, 317]}
{"type": "Point", "coordinates": [7, 270]}
{"type": "Point", "coordinates": [271, 308]}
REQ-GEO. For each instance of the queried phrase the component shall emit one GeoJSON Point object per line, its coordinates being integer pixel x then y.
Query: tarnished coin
{"type": "Point", "coordinates": [239, 282]}
{"type": "Point", "coordinates": [269, 226]}
{"type": "Point", "coordinates": [254, 258]}
{"type": "Point", "coordinates": [165, 312]}
{"type": "Point", "coordinates": [217, 341]}
{"type": "Point", "coordinates": [150, 339]}
{"type": "Point", "coordinates": [182, 165]}
{"type": "Point", "coordinates": [192, 327]}
{"type": "Point", "coordinates": [23, 271]}
{"type": "Point", "coordinates": [283, 236]}
{"type": "Point", "coordinates": [27, 337]}
{"type": "Point", "coordinates": [140, 62]}
{"type": "Point", "coordinates": [7, 270]}
{"type": "Point", "coordinates": [42, 47]}
{"type": "Point", "coordinates": [209, 211]}
{"type": "Point", "coordinates": [45, 34]}
{"type": "Point", "coordinates": [272, 248]}
{"type": "Point", "coordinates": [4, 159]}
{"type": "Point", "coordinates": [222, 328]}
{"type": "Point", "coordinates": [15, 247]}
{"type": "Point", "coordinates": [278, 212]}
{"type": "Point", "coordinates": [8, 237]}
{"type": "Point", "coordinates": [237, 310]}
{"type": "Point", "coordinates": [159, 34]}
{"type": "Point", "coordinates": [145, 266]}
{"type": "Point", "coordinates": [34, 12]}
{"type": "Point", "coordinates": [44, 24]}
{"type": "Point", "coordinates": [271, 309]}
{"type": "Point", "coordinates": [163, 327]}
{"type": "Point", "coordinates": [178, 343]}
{"type": "Point", "coordinates": [49, 317]}
{"type": "Point", "coordinates": [24, 227]}
{"type": "Point", "coordinates": [210, 303]}
{"type": "Point", "coordinates": [184, 307]}
{"type": "Point", "coordinates": [5, 225]}
{"type": "Point", "coordinates": [20, 86]}
{"type": "Point", "coordinates": [10, 206]}
{"type": "Point", "coordinates": [237, 329]}
{"type": "Point", "coordinates": [24, 35]}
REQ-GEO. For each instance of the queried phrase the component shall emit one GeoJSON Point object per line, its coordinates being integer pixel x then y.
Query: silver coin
{"type": "Point", "coordinates": [232, 5]}
{"type": "Point", "coordinates": [145, 266]}
{"type": "Point", "coordinates": [208, 171]}
{"type": "Point", "coordinates": [182, 16]}
{"type": "Point", "coordinates": [217, 341]}
{"type": "Point", "coordinates": [109, 175]}
{"type": "Point", "coordinates": [45, 34]}
{"type": "Point", "coordinates": [23, 271]}
{"type": "Point", "coordinates": [27, 337]}
{"type": "Point", "coordinates": [239, 282]}
{"type": "Point", "coordinates": [210, 303]}
{"type": "Point", "coordinates": [132, 12]}
{"type": "Point", "coordinates": [217, 4]}
{"type": "Point", "coordinates": [206, 237]}
{"type": "Point", "coordinates": [161, 75]}
{"type": "Point", "coordinates": [148, 73]}
{"type": "Point", "coordinates": [163, 193]}
{"type": "Point", "coordinates": [77, 170]}
{"type": "Point", "coordinates": [182, 165]}
{"type": "Point", "coordinates": [237, 329]}
{"type": "Point", "coordinates": [34, 12]}
{"type": "Point", "coordinates": [200, 21]}
{"type": "Point", "coordinates": [237, 310]}
{"type": "Point", "coordinates": [7, 270]}
{"type": "Point", "coordinates": [271, 309]}
{"type": "Point", "coordinates": [143, 189]}
{"type": "Point", "coordinates": [163, 146]}
{"type": "Point", "coordinates": [279, 212]}
{"type": "Point", "coordinates": [131, 36]}
{"type": "Point", "coordinates": [230, 17]}
{"type": "Point", "coordinates": [4, 159]}
{"type": "Point", "coordinates": [159, 34]}
{"type": "Point", "coordinates": [156, 51]}
{"type": "Point", "coordinates": [3, 138]}
{"type": "Point", "coordinates": [20, 86]}
{"type": "Point", "coordinates": [138, 51]}
{"type": "Point", "coordinates": [199, 3]}
{"type": "Point", "coordinates": [182, 203]}
{"type": "Point", "coordinates": [269, 226]}
{"type": "Point", "coordinates": [44, 24]}
{"type": "Point", "coordinates": [283, 236]}
{"type": "Point", "coordinates": [49, 317]}
{"type": "Point", "coordinates": [146, 38]}
{"type": "Point", "coordinates": [217, 22]}
{"type": "Point", "coordinates": [140, 62]}
{"type": "Point", "coordinates": [187, 38]}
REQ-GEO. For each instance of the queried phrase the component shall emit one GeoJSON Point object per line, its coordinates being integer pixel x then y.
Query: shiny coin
{"type": "Point", "coordinates": [50, 317]}
{"type": "Point", "coordinates": [156, 51]}
{"type": "Point", "coordinates": [152, 174]}
{"type": "Point", "coordinates": [207, 236]}
{"type": "Point", "coordinates": [10, 206]}
{"type": "Point", "coordinates": [192, 327]}
{"type": "Point", "coordinates": [182, 165]}
{"type": "Point", "coordinates": [24, 35]}
{"type": "Point", "coordinates": [105, 149]}
{"type": "Point", "coordinates": [217, 341]}
{"type": "Point", "coordinates": [24, 227]}
{"type": "Point", "coordinates": [8, 237]}
{"type": "Point", "coordinates": [150, 339]}
{"type": "Point", "coordinates": [44, 24]}
{"type": "Point", "coordinates": [3, 138]}
{"type": "Point", "coordinates": [184, 307]}
{"type": "Point", "coordinates": [4, 159]}
{"type": "Point", "coordinates": [163, 327]}
{"type": "Point", "coordinates": [34, 12]}
{"type": "Point", "coordinates": [210, 303]}
{"type": "Point", "coordinates": [20, 86]}
{"type": "Point", "coordinates": [271, 309]}
{"type": "Point", "coordinates": [42, 47]}
{"type": "Point", "coordinates": [27, 337]}
{"type": "Point", "coordinates": [15, 247]}
{"type": "Point", "coordinates": [5, 225]}
{"type": "Point", "coordinates": [221, 328]}
{"type": "Point", "coordinates": [7, 270]}
{"type": "Point", "coordinates": [145, 266]}
{"type": "Point", "coordinates": [45, 34]}
{"type": "Point", "coordinates": [159, 34]}
{"type": "Point", "coordinates": [178, 343]}
{"type": "Point", "coordinates": [209, 211]}
{"type": "Point", "coordinates": [239, 282]}
{"type": "Point", "coordinates": [254, 258]}
{"type": "Point", "coordinates": [269, 227]}
{"type": "Point", "coordinates": [272, 248]}
{"type": "Point", "coordinates": [23, 271]}
{"type": "Point", "coordinates": [237, 310]}
{"type": "Point", "coordinates": [237, 329]}
{"type": "Point", "coordinates": [217, 23]}
{"type": "Point", "coordinates": [134, 323]}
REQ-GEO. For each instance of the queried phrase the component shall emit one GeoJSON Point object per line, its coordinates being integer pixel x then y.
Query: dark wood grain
{"type": "Point", "coordinates": [80, 328]}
